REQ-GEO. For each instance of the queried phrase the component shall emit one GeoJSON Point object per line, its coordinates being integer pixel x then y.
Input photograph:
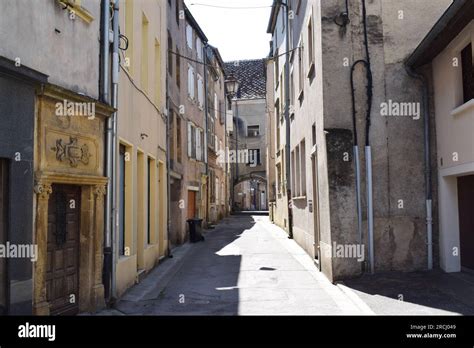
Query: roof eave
{"type": "Point", "coordinates": [441, 33]}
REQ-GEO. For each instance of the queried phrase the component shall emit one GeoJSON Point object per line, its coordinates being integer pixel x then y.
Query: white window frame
{"type": "Point", "coordinates": [191, 93]}
{"type": "Point", "coordinates": [200, 92]}
{"type": "Point", "coordinates": [199, 48]}
{"type": "Point", "coordinates": [189, 36]}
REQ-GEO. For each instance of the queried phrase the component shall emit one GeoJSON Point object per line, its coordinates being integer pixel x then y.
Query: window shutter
{"type": "Point", "coordinates": [198, 145]}
{"type": "Point", "coordinates": [190, 148]}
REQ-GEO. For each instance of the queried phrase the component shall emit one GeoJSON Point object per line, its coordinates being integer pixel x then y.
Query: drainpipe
{"type": "Point", "coordinates": [206, 138]}
{"type": "Point", "coordinates": [168, 171]}
{"type": "Point", "coordinates": [427, 158]}
{"type": "Point", "coordinates": [368, 148]}
{"type": "Point", "coordinates": [115, 82]}
{"type": "Point", "coordinates": [287, 121]}
{"type": "Point", "coordinates": [104, 96]}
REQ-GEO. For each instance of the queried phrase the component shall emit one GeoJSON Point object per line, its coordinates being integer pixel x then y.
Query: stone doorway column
{"type": "Point", "coordinates": [98, 287]}
{"type": "Point", "coordinates": [40, 304]}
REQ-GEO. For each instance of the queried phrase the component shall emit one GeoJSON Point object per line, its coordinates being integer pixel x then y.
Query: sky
{"type": "Point", "coordinates": [237, 33]}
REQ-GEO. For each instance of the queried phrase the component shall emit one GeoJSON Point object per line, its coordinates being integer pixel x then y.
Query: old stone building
{"type": "Point", "coordinates": [247, 146]}
{"type": "Point", "coordinates": [188, 140]}
{"type": "Point", "coordinates": [218, 206]}
{"type": "Point", "coordinates": [317, 53]}
{"type": "Point", "coordinates": [59, 148]}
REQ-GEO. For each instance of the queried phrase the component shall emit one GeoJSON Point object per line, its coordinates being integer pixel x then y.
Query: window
{"type": "Point", "coordinates": [190, 82]}
{"type": "Point", "coordinates": [198, 144]}
{"type": "Point", "coordinates": [221, 112]}
{"type": "Point", "coordinates": [300, 70]}
{"type": "Point", "coordinates": [254, 157]}
{"type": "Point", "coordinates": [212, 132]}
{"type": "Point", "coordinates": [310, 44]}
{"type": "Point", "coordinates": [149, 200]}
{"type": "Point", "coordinates": [212, 178]}
{"type": "Point", "coordinates": [216, 106]}
{"type": "Point", "coordinates": [191, 140]}
{"type": "Point", "coordinates": [253, 131]}
{"type": "Point", "coordinates": [279, 179]}
{"type": "Point", "coordinates": [293, 172]}
{"type": "Point", "coordinates": [314, 134]}
{"type": "Point", "coordinates": [292, 92]}
{"type": "Point", "coordinates": [282, 88]}
{"type": "Point", "coordinates": [297, 172]}
{"type": "Point", "coordinates": [178, 138]}
{"type": "Point", "coordinates": [200, 91]}
{"type": "Point", "coordinates": [129, 34]}
{"type": "Point", "coordinates": [277, 69]}
{"type": "Point", "coordinates": [157, 72]}
{"type": "Point", "coordinates": [217, 189]}
{"type": "Point", "coordinates": [467, 73]}
{"type": "Point", "coordinates": [178, 68]}
{"type": "Point", "coordinates": [122, 196]}
{"type": "Point", "coordinates": [199, 48]}
{"type": "Point", "coordinates": [303, 167]}
{"type": "Point", "coordinates": [144, 54]}
{"type": "Point", "coordinates": [170, 54]}
{"type": "Point", "coordinates": [277, 124]}
{"type": "Point", "coordinates": [189, 36]}
{"type": "Point", "coordinates": [171, 135]}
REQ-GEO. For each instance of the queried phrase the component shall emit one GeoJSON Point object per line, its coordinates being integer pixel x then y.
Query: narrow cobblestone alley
{"type": "Point", "coordinates": [246, 266]}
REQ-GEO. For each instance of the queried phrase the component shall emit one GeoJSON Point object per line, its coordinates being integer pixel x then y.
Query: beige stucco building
{"type": "Point", "coordinates": [141, 239]}
{"type": "Point", "coordinates": [445, 57]}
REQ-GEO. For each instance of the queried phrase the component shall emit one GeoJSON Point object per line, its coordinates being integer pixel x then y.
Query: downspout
{"type": "Point", "coordinates": [368, 148]}
{"type": "Point", "coordinates": [206, 138]}
{"type": "Point", "coordinates": [287, 122]}
{"type": "Point", "coordinates": [115, 82]}
{"type": "Point", "coordinates": [427, 158]}
{"type": "Point", "coordinates": [168, 172]}
{"type": "Point", "coordinates": [104, 97]}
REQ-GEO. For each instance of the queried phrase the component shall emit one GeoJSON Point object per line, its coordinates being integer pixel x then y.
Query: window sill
{"type": "Point", "coordinates": [299, 198]}
{"type": "Point", "coordinates": [463, 108]}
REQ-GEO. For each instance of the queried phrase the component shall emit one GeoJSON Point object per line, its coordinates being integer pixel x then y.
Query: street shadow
{"type": "Point", "coordinates": [452, 292]}
{"type": "Point", "coordinates": [207, 282]}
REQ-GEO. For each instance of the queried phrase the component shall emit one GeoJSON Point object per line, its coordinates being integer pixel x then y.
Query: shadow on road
{"type": "Point", "coordinates": [207, 282]}
{"type": "Point", "coordinates": [436, 291]}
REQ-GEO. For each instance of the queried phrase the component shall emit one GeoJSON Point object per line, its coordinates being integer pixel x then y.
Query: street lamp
{"type": "Point", "coordinates": [232, 86]}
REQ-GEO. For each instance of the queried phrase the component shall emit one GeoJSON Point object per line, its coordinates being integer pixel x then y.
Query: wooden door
{"type": "Point", "coordinates": [466, 220]}
{"type": "Point", "coordinates": [191, 204]}
{"type": "Point", "coordinates": [62, 275]}
{"type": "Point", "coordinates": [3, 233]}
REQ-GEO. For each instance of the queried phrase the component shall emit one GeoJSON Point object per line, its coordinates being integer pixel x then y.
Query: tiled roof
{"type": "Point", "coordinates": [251, 75]}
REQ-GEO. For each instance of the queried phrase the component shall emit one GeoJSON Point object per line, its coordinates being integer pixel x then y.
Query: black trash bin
{"type": "Point", "coordinates": [195, 228]}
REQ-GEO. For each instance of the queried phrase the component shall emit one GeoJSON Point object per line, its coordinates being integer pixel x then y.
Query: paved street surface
{"type": "Point", "coordinates": [246, 266]}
